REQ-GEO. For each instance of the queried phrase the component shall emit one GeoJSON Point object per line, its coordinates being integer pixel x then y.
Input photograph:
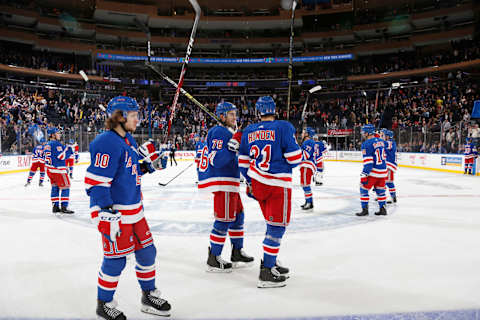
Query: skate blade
{"type": "Point", "coordinates": [242, 265]}
{"type": "Point", "coordinates": [307, 210]}
{"type": "Point", "coordinates": [152, 310]}
{"type": "Point", "coordinates": [268, 284]}
{"type": "Point", "coordinates": [218, 270]}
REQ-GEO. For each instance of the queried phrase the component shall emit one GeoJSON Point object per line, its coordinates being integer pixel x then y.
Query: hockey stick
{"type": "Point", "coordinates": [198, 12]}
{"type": "Point", "coordinates": [183, 91]}
{"type": "Point", "coordinates": [314, 89]}
{"type": "Point", "coordinates": [165, 184]}
{"type": "Point", "coordinates": [290, 59]}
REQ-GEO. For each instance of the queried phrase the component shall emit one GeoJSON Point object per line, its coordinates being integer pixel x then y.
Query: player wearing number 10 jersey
{"type": "Point", "coordinates": [268, 153]}
{"type": "Point", "coordinates": [374, 171]}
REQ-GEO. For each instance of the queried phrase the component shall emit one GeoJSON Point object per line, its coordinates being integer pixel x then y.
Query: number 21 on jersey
{"type": "Point", "coordinates": [265, 153]}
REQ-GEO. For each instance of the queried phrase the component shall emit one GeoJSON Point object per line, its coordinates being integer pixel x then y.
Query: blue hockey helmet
{"type": "Point", "coordinates": [310, 131]}
{"type": "Point", "coordinates": [71, 141]}
{"type": "Point", "coordinates": [125, 104]}
{"type": "Point", "coordinates": [52, 130]}
{"type": "Point", "coordinates": [224, 107]}
{"type": "Point", "coordinates": [368, 129]}
{"type": "Point", "coordinates": [265, 105]}
{"type": "Point", "coordinates": [468, 140]}
{"type": "Point", "coordinates": [42, 140]}
{"type": "Point", "coordinates": [389, 134]}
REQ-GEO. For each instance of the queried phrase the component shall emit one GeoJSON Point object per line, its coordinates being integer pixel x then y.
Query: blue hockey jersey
{"type": "Point", "coordinates": [470, 151]}
{"type": "Point", "coordinates": [218, 166]}
{"type": "Point", "coordinates": [320, 150]}
{"type": "Point", "coordinates": [55, 155]}
{"type": "Point", "coordinates": [374, 158]}
{"type": "Point", "coordinates": [269, 152]}
{"type": "Point", "coordinates": [391, 151]}
{"type": "Point", "coordinates": [114, 176]}
{"type": "Point", "coordinates": [308, 155]}
{"type": "Point", "coordinates": [38, 154]}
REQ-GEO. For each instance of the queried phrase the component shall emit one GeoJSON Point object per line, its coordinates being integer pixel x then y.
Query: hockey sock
{"type": "Point", "coordinates": [235, 231]}
{"type": "Point", "coordinates": [364, 197]}
{"type": "Point", "coordinates": [71, 170]}
{"type": "Point", "coordinates": [217, 237]}
{"type": "Point", "coordinates": [42, 175]}
{"type": "Point", "coordinates": [391, 189]}
{"type": "Point", "coordinates": [145, 267]}
{"type": "Point", "coordinates": [54, 196]}
{"type": "Point", "coordinates": [382, 198]}
{"type": "Point", "coordinates": [30, 176]}
{"type": "Point", "coordinates": [108, 277]}
{"type": "Point", "coordinates": [271, 245]}
{"type": "Point", "coordinates": [308, 194]}
{"type": "Point", "coordinates": [65, 197]}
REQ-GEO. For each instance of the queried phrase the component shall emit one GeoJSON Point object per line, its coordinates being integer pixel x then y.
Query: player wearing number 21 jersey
{"type": "Point", "coordinates": [268, 153]}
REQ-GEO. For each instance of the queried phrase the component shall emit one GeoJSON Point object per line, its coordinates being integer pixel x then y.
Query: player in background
{"type": "Point", "coordinates": [199, 144]}
{"type": "Point", "coordinates": [38, 162]}
{"type": "Point", "coordinates": [172, 148]}
{"type": "Point", "coordinates": [320, 151]}
{"type": "Point", "coordinates": [113, 182]}
{"type": "Point", "coordinates": [391, 151]}
{"type": "Point", "coordinates": [374, 171]}
{"type": "Point", "coordinates": [470, 154]}
{"type": "Point", "coordinates": [73, 157]}
{"type": "Point", "coordinates": [55, 154]}
{"type": "Point", "coordinates": [219, 173]}
{"type": "Point", "coordinates": [308, 167]}
{"type": "Point", "coordinates": [268, 153]}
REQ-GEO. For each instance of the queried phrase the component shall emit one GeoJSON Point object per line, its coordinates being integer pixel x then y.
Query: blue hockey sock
{"type": "Point", "coordinates": [218, 236]}
{"type": "Point", "coordinates": [364, 197]}
{"type": "Point", "coordinates": [108, 277]}
{"type": "Point", "coordinates": [42, 176]}
{"type": "Point", "coordinates": [145, 267]}
{"type": "Point", "coordinates": [391, 189]}
{"type": "Point", "coordinates": [235, 231]}
{"type": "Point", "coordinates": [54, 196]}
{"type": "Point", "coordinates": [30, 176]}
{"type": "Point", "coordinates": [65, 197]}
{"type": "Point", "coordinates": [382, 198]}
{"type": "Point", "coordinates": [271, 245]}
{"type": "Point", "coordinates": [308, 194]}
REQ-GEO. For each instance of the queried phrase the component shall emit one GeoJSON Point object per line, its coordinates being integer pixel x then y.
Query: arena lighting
{"type": "Point", "coordinates": [84, 75]}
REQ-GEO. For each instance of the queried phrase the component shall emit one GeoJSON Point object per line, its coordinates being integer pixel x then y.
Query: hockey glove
{"type": "Point", "coordinates": [147, 167]}
{"type": "Point", "coordinates": [234, 143]}
{"type": "Point", "coordinates": [109, 223]}
{"type": "Point", "coordinates": [148, 151]}
{"type": "Point", "coordinates": [249, 190]}
{"type": "Point", "coordinates": [363, 178]}
{"type": "Point", "coordinates": [318, 176]}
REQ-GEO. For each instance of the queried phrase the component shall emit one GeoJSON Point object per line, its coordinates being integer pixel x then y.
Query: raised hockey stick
{"type": "Point", "coordinates": [165, 184]}
{"type": "Point", "coordinates": [183, 91]}
{"type": "Point", "coordinates": [198, 12]}
{"type": "Point", "coordinates": [290, 58]}
{"type": "Point", "coordinates": [314, 89]}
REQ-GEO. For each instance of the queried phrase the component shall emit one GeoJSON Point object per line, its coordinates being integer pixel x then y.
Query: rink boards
{"type": "Point", "coordinates": [438, 162]}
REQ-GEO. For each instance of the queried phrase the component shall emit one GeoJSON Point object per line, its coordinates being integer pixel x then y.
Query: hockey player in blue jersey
{"type": "Point", "coordinates": [219, 173]}
{"type": "Point", "coordinates": [73, 157]}
{"type": "Point", "coordinates": [374, 171]}
{"type": "Point", "coordinates": [308, 167]}
{"type": "Point", "coordinates": [38, 162]}
{"type": "Point", "coordinates": [470, 154]}
{"type": "Point", "coordinates": [55, 155]}
{"type": "Point", "coordinates": [320, 151]}
{"type": "Point", "coordinates": [391, 151]}
{"type": "Point", "coordinates": [268, 153]}
{"type": "Point", "coordinates": [113, 182]}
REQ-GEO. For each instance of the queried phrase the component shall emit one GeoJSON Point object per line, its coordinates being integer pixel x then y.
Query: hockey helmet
{"type": "Point", "coordinates": [265, 105]}
{"type": "Point", "coordinates": [310, 131]}
{"type": "Point", "coordinates": [71, 141]}
{"type": "Point", "coordinates": [368, 129]}
{"type": "Point", "coordinates": [125, 104]}
{"type": "Point", "coordinates": [42, 140]}
{"type": "Point", "coordinates": [224, 107]}
{"type": "Point", "coordinates": [52, 130]}
{"type": "Point", "coordinates": [468, 140]}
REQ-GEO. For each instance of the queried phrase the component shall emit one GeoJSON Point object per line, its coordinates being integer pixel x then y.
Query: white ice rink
{"type": "Point", "coordinates": [424, 256]}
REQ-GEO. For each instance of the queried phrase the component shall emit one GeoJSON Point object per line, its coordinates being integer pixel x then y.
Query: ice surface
{"type": "Point", "coordinates": [423, 256]}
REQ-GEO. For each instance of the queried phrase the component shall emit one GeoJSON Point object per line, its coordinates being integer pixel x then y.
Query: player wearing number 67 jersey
{"type": "Point", "coordinates": [268, 153]}
{"type": "Point", "coordinates": [374, 171]}
{"type": "Point", "coordinates": [113, 183]}
{"type": "Point", "coordinates": [219, 174]}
